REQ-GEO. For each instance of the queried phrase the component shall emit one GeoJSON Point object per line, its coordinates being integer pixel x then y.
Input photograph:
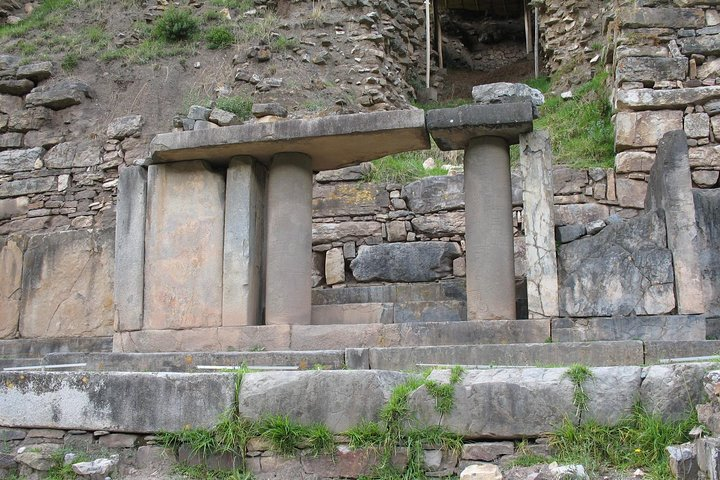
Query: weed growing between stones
{"type": "Point", "coordinates": [240, 106]}
{"type": "Point", "coordinates": [203, 473]}
{"type": "Point", "coordinates": [637, 441]}
{"type": "Point", "coordinates": [62, 471]}
{"type": "Point", "coordinates": [579, 374]}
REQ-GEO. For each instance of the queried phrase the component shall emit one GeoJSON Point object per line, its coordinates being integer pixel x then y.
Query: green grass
{"type": "Point", "coordinates": [238, 4]}
{"type": "Point", "coordinates": [579, 374]}
{"type": "Point", "coordinates": [176, 24]}
{"type": "Point", "coordinates": [637, 441]}
{"type": "Point", "coordinates": [219, 37]}
{"type": "Point", "coordinates": [60, 471]}
{"type": "Point", "coordinates": [47, 13]}
{"type": "Point", "coordinates": [403, 168]}
{"type": "Point", "coordinates": [240, 106]}
{"type": "Point", "coordinates": [201, 472]}
{"type": "Point", "coordinates": [282, 43]}
{"type": "Point", "coordinates": [581, 130]}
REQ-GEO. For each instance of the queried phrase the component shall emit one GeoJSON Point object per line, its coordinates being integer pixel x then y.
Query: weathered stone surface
{"type": "Point", "coordinates": [198, 112]}
{"type": "Point", "coordinates": [703, 45]}
{"type": "Point", "coordinates": [647, 98]}
{"type": "Point", "coordinates": [184, 246]}
{"type": "Point", "coordinates": [631, 193]}
{"type": "Point", "coordinates": [36, 72]}
{"type": "Point", "coordinates": [10, 103]}
{"type": "Point", "coordinates": [344, 232]}
{"type": "Point", "coordinates": [120, 402]}
{"type": "Point", "coordinates": [11, 257]}
{"type": "Point", "coordinates": [705, 156]}
{"type": "Point", "coordinates": [15, 86]}
{"type": "Point", "coordinates": [347, 174]}
{"type": "Point", "coordinates": [60, 95]}
{"type": "Point", "coordinates": [487, 451]}
{"type": "Point", "coordinates": [349, 199]}
{"type": "Point", "coordinates": [710, 68]}
{"type": "Point", "coordinates": [405, 262]}
{"type": "Point", "coordinates": [650, 69]}
{"type": "Point", "coordinates": [118, 440]}
{"type": "Point", "coordinates": [440, 224]}
{"type": "Point", "coordinates": [345, 462]}
{"type": "Point", "coordinates": [68, 284]}
{"type": "Point", "coordinates": [612, 393]}
{"type": "Point", "coordinates": [338, 399]}
{"type": "Point", "coordinates": [126, 126]}
{"type": "Point", "coordinates": [538, 220]}
{"type": "Point", "coordinates": [634, 161]}
{"type": "Point", "coordinates": [243, 244]}
{"type": "Point", "coordinates": [433, 194]}
{"type": "Point", "coordinates": [11, 140]}
{"type": "Point", "coordinates": [334, 266]}
{"type": "Point", "coordinates": [260, 110]}
{"type": "Point", "coordinates": [670, 190]}
{"type": "Point", "coordinates": [12, 161]}
{"type": "Point", "coordinates": [29, 119]}
{"type": "Point", "coordinates": [660, 17]}
{"type": "Point", "coordinates": [396, 231]}
{"type": "Point", "coordinates": [570, 233]}
{"type": "Point", "coordinates": [644, 129]}
{"type": "Point", "coordinates": [38, 457]}
{"type": "Point", "coordinates": [647, 328]}
{"type": "Point", "coordinates": [354, 313]}
{"type": "Point", "coordinates": [697, 125]}
{"type": "Point", "coordinates": [683, 461]}
{"type": "Point", "coordinates": [73, 154]}
{"type": "Point", "coordinates": [630, 259]}
{"type": "Point", "coordinates": [672, 391]}
{"type": "Point", "coordinates": [488, 402]}
{"type": "Point", "coordinates": [707, 217]}
{"type": "Point", "coordinates": [580, 212]}
{"type": "Point", "coordinates": [100, 466]}
{"type": "Point", "coordinates": [503, 92]}
{"type": "Point", "coordinates": [567, 181]}
{"type": "Point", "coordinates": [130, 247]}
{"type": "Point", "coordinates": [223, 118]}
{"type": "Point", "coordinates": [481, 472]}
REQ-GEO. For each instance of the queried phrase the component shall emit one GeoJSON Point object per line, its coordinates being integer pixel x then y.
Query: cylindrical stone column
{"type": "Point", "coordinates": [490, 269]}
{"type": "Point", "coordinates": [289, 240]}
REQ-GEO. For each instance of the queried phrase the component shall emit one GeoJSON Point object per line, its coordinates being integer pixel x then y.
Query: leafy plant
{"type": "Point", "coordinates": [219, 37]}
{"type": "Point", "coordinates": [240, 106]}
{"type": "Point", "coordinates": [176, 24]}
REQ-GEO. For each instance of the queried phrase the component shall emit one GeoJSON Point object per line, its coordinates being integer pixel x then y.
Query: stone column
{"type": "Point", "coordinates": [490, 271]}
{"type": "Point", "coordinates": [539, 223]}
{"type": "Point", "coordinates": [244, 240]}
{"type": "Point", "coordinates": [130, 249]}
{"type": "Point", "coordinates": [289, 240]}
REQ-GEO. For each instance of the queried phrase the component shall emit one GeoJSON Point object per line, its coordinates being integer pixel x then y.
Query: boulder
{"type": "Point", "coordinates": [38, 457]}
{"type": "Point", "coordinates": [12, 86]}
{"type": "Point", "coordinates": [405, 262]}
{"type": "Point", "coordinates": [60, 95]}
{"type": "Point", "coordinates": [339, 399]}
{"type": "Point", "coordinates": [99, 468]}
{"type": "Point", "coordinates": [630, 259]}
{"type": "Point", "coordinates": [36, 72]}
{"type": "Point", "coordinates": [123, 127]}
{"type": "Point", "coordinates": [223, 117]}
{"type": "Point", "coordinates": [433, 194]}
{"type": "Point", "coordinates": [503, 92]}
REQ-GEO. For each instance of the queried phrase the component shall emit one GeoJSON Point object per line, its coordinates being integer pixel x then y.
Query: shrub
{"type": "Point", "coordinates": [176, 24]}
{"type": "Point", "coordinates": [219, 37]}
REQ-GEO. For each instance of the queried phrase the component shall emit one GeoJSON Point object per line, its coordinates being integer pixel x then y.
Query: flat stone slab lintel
{"type": "Point", "coordinates": [332, 142]}
{"type": "Point", "coordinates": [453, 128]}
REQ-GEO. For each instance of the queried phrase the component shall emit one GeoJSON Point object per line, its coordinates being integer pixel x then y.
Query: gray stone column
{"type": "Point", "coordinates": [488, 230]}
{"type": "Point", "coordinates": [289, 240]}
{"type": "Point", "coordinates": [539, 223]}
{"type": "Point", "coordinates": [130, 249]}
{"type": "Point", "coordinates": [243, 244]}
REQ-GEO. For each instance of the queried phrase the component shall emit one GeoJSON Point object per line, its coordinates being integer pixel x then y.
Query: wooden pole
{"type": "Point", "coordinates": [428, 43]}
{"type": "Point", "coordinates": [528, 29]}
{"type": "Point", "coordinates": [441, 60]}
{"type": "Point", "coordinates": [537, 43]}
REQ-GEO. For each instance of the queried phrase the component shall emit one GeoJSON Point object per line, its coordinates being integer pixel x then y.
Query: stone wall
{"type": "Point", "coordinates": [666, 71]}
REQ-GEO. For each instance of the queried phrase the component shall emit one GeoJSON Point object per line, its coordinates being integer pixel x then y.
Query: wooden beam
{"type": "Point", "coordinates": [527, 15]}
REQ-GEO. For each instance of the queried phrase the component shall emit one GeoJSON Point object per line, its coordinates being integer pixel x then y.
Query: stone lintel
{"type": "Point", "coordinates": [332, 142]}
{"type": "Point", "coordinates": [453, 128]}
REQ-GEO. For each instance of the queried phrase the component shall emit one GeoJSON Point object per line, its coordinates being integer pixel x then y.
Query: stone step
{"type": "Point", "coordinates": [12, 362]}
{"type": "Point", "coordinates": [599, 354]}
{"type": "Point", "coordinates": [400, 312]}
{"type": "Point", "coordinates": [37, 347]}
{"type": "Point", "coordinates": [451, 289]}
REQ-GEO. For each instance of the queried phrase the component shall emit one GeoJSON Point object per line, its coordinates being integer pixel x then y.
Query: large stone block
{"type": "Point", "coordinates": [702, 45]}
{"type": "Point", "coordinates": [349, 199]}
{"type": "Point", "coordinates": [405, 262]}
{"type": "Point", "coordinates": [632, 262]}
{"type": "Point", "coordinates": [670, 190]}
{"type": "Point", "coordinates": [27, 186]}
{"type": "Point", "coordinates": [243, 244]}
{"type": "Point", "coordinates": [707, 217]}
{"type": "Point", "coordinates": [672, 391]}
{"type": "Point", "coordinates": [501, 403]}
{"type": "Point", "coordinates": [651, 69]}
{"type": "Point", "coordinates": [60, 95]}
{"type": "Point", "coordinates": [440, 224]}
{"type": "Point", "coordinates": [12, 161]}
{"type": "Point", "coordinates": [11, 259]}
{"type": "Point", "coordinates": [567, 181]}
{"type": "Point", "coordinates": [184, 246]}
{"type": "Point", "coordinates": [644, 129]}
{"type": "Point", "coordinates": [582, 213]}
{"type": "Point", "coordinates": [612, 393]}
{"type": "Point", "coordinates": [344, 232]}
{"type": "Point", "coordinates": [119, 402]}
{"type": "Point", "coordinates": [68, 284]}
{"type": "Point", "coordinates": [650, 99]}
{"type": "Point", "coordinates": [660, 17]}
{"type": "Point", "coordinates": [130, 248]}
{"type": "Point", "coordinates": [539, 223]}
{"type": "Point", "coordinates": [631, 193]}
{"type": "Point", "coordinates": [339, 399]}
{"type": "Point", "coordinates": [646, 328]}
{"type": "Point", "coordinates": [433, 194]}
{"type": "Point", "coordinates": [11, 207]}
{"type": "Point", "coordinates": [73, 154]}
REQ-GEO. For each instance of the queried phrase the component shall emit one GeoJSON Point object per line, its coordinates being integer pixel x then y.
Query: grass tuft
{"type": "Point", "coordinates": [578, 374]}
{"type": "Point", "coordinates": [219, 37]}
{"type": "Point", "coordinates": [240, 106]}
{"type": "Point", "coordinates": [176, 24]}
